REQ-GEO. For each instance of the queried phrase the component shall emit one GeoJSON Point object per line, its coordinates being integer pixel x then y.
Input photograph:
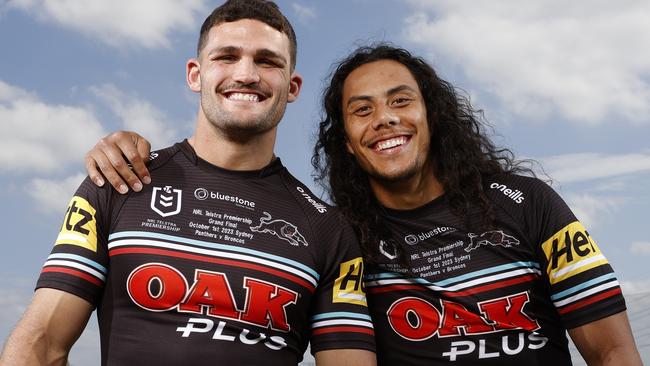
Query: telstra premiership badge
{"type": "Point", "coordinates": [166, 201]}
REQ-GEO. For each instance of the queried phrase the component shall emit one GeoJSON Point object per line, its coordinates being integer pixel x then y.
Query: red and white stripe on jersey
{"type": "Point", "coordinates": [77, 266]}
{"type": "Point", "coordinates": [137, 242]}
{"type": "Point", "coordinates": [464, 285]}
{"type": "Point", "coordinates": [341, 322]}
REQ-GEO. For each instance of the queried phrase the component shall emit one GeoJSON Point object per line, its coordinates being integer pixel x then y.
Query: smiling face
{"type": "Point", "coordinates": [386, 122]}
{"type": "Point", "coordinates": [244, 76]}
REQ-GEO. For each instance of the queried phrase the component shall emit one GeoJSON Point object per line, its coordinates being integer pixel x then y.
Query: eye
{"type": "Point", "coordinates": [226, 58]}
{"type": "Point", "coordinates": [400, 101]}
{"type": "Point", "coordinates": [362, 110]}
{"type": "Point", "coordinates": [268, 63]}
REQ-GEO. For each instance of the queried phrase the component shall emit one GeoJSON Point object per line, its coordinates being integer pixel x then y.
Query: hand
{"type": "Point", "coordinates": [112, 154]}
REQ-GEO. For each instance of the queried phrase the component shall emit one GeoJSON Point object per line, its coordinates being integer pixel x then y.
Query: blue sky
{"type": "Point", "coordinates": [567, 84]}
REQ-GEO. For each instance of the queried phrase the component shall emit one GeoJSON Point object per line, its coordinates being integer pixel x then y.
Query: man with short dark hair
{"type": "Point", "coordinates": [473, 262]}
{"type": "Point", "coordinates": [226, 258]}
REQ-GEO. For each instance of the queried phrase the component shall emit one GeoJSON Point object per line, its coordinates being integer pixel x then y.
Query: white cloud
{"type": "Point", "coordinates": [581, 60]}
{"type": "Point", "coordinates": [145, 23]}
{"type": "Point", "coordinates": [633, 287]}
{"type": "Point", "coordinates": [588, 166]}
{"type": "Point", "coordinates": [594, 209]}
{"type": "Point", "coordinates": [640, 247]}
{"type": "Point", "coordinates": [304, 13]}
{"type": "Point", "coordinates": [36, 136]}
{"type": "Point", "coordinates": [138, 115]}
{"type": "Point", "coordinates": [53, 195]}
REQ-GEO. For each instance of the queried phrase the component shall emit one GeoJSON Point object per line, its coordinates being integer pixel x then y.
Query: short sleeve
{"type": "Point", "coordinates": [339, 314]}
{"type": "Point", "coordinates": [78, 263]}
{"type": "Point", "coordinates": [583, 286]}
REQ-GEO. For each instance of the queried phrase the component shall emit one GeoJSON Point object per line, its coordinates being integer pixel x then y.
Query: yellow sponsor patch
{"type": "Point", "coordinates": [349, 287]}
{"type": "Point", "coordinates": [571, 251]}
{"type": "Point", "coordinates": [79, 226]}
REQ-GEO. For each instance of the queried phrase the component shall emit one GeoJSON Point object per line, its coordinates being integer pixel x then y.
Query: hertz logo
{"type": "Point", "coordinates": [349, 286]}
{"type": "Point", "coordinates": [79, 226]}
{"type": "Point", "coordinates": [571, 251]}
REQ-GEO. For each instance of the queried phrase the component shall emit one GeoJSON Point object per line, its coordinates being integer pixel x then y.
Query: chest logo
{"type": "Point", "coordinates": [281, 229]}
{"type": "Point", "coordinates": [494, 238]}
{"type": "Point", "coordinates": [166, 201]}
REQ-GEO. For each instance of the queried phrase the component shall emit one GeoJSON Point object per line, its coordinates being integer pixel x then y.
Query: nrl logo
{"type": "Point", "coordinates": [494, 238]}
{"type": "Point", "coordinates": [387, 250]}
{"type": "Point", "coordinates": [281, 229]}
{"type": "Point", "coordinates": [166, 201]}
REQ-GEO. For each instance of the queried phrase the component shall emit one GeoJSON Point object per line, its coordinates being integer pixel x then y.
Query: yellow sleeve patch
{"type": "Point", "coordinates": [79, 226]}
{"type": "Point", "coordinates": [571, 251]}
{"type": "Point", "coordinates": [349, 287]}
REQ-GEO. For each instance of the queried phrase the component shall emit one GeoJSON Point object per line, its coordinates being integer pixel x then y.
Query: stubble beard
{"type": "Point", "coordinates": [242, 129]}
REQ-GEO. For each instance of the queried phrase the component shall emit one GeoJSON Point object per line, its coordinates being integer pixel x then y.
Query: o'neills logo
{"type": "Point", "coordinates": [203, 194]}
{"type": "Point", "coordinates": [321, 208]}
{"type": "Point", "coordinates": [514, 194]}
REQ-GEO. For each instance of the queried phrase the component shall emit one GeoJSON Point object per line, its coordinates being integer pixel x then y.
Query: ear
{"type": "Point", "coordinates": [295, 83]}
{"type": "Point", "coordinates": [193, 75]}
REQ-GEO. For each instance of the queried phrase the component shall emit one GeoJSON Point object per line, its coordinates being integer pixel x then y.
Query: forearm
{"type": "Point", "coordinates": [607, 342]}
{"type": "Point", "coordinates": [617, 356]}
{"type": "Point", "coordinates": [28, 345]}
{"type": "Point", "coordinates": [48, 329]}
{"type": "Point", "coordinates": [346, 357]}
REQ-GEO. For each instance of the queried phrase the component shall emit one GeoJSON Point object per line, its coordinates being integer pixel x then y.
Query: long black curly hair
{"type": "Point", "coordinates": [463, 154]}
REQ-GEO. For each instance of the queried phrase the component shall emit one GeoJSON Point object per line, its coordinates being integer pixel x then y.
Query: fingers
{"type": "Point", "coordinates": [96, 158]}
{"type": "Point", "coordinates": [112, 155]}
{"type": "Point", "coordinates": [143, 148]}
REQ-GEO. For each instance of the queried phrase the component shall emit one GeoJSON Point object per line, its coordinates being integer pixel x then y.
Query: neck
{"type": "Point", "coordinates": [410, 193]}
{"type": "Point", "coordinates": [215, 147]}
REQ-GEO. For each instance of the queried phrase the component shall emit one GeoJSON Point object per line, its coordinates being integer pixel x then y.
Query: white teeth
{"type": "Point", "coordinates": [387, 144]}
{"type": "Point", "coordinates": [244, 97]}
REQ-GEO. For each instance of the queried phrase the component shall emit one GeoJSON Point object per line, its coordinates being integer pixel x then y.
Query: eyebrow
{"type": "Point", "coordinates": [390, 91]}
{"type": "Point", "coordinates": [264, 52]}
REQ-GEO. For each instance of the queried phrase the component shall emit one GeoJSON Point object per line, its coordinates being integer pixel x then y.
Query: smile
{"type": "Point", "coordinates": [390, 143]}
{"type": "Point", "coordinates": [244, 97]}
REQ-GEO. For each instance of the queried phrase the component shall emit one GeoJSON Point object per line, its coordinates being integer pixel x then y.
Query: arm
{"type": "Point", "coordinates": [345, 357]}
{"type": "Point", "coordinates": [51, 324]}
{"type": "Point", "coordinates": [607, 341]}
{"type": "Point", "coordinates": [111, 154]}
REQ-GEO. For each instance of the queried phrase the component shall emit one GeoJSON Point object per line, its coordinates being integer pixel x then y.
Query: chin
{"type": "Point", "coordinates": [394, 176]}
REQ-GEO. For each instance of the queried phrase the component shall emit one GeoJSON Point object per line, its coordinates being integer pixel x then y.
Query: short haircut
{"type": "Point", "coordinates": [264, 11]}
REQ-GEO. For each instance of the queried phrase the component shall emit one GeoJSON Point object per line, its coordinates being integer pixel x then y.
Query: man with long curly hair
{"type": "Point", "coordinates": [472, 259]}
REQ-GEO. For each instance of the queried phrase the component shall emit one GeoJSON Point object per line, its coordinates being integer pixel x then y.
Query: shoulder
{"type": "Point", "coordinates": [158, 158]}
{"type": "Point", "coordinates": [311, 204]}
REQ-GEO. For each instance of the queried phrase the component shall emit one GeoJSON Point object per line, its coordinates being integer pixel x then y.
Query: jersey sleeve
{"type": "Point", "coordinates": [583, 286]}
{"type": "Point", "coordinates": [339, 314]}
{"type": "Point", "coordinates": [78, 263]}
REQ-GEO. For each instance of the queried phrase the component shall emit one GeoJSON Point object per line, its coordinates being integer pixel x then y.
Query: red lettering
{"type": "Point", "coordinates": [508, 312]}
{"type": "Point", "coordinates": [171, 284]}
{"type": "Point", "coordinates": [266, 304]}
{"type": "Point", "coordinates": [425, 316]}
{"type": "Point", "coordinates": [456, 316]}
{"type": "Point", "coordinates": [211, 290]}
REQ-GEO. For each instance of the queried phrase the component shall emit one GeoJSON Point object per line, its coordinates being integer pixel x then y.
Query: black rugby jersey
{"type": "Point", "coordinates": [207, 266]}
{"type": "Point", "coordinates": [503, 296]}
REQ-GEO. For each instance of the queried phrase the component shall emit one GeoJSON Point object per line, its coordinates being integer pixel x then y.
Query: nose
{"type": "Point", "coordinates": [245, 72]}
{"type": "Point", "coordinates": [385, 117]}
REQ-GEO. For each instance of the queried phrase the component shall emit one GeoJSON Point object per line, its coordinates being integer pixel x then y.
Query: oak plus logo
{"type": "Point", "coordinates": [166, 201]}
